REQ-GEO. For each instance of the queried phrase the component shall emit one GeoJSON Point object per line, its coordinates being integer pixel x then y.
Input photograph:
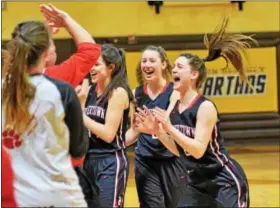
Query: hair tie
{"type": "Point", "coordinates": [213, 54]}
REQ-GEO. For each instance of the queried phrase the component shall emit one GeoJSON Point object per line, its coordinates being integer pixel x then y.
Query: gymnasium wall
{"type": "Point", "coordinates": [224, 87]}
{"type": "Point", "coordinates": [180, 27]}
{"type": "Point", "coordinates": [106, 19]}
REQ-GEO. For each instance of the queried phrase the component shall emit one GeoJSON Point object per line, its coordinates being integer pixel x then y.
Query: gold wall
{"type": "Point", "coordinates": [123, 18]}
{"type": "Point", "coordinates": [223, 86]}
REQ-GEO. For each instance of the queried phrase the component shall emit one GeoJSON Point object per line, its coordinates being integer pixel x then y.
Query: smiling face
{"type": "Point", "coordinates": [100, 72]}
{"type": "Point", "coordinates": [152, 65]}
{"type": "Point", "coordinates": [183, 75]}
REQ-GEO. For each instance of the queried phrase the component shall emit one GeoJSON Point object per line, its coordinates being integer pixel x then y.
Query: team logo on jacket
{"type": "Point", "coordinates": [11, 139]}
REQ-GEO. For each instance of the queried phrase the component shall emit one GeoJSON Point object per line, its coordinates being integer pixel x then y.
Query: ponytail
{"type": "Point", "coordinates": [17, 89]}
{"type": "Point", "coordinates": [29, 40]}
{"type": "Point", "coordinates": [231, 47]}
{"type": "Point", "coordinates": [112, 55]}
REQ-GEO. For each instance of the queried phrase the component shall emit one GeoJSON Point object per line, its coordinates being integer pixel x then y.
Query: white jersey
{"type": "Point", "coordinates": [40, 157]}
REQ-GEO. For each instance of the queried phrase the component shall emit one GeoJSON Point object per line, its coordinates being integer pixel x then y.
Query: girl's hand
{"type": "Point", "coordinates": [82, 92]}
{"type": "Point", "coordinates": [55, 17]}
{"type": "Point", "coordinates": [163, 117]}
{"type": "Point", "coordinates": [145, 122]}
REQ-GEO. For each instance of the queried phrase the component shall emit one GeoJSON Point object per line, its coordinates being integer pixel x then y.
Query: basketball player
{"type": "Point", "coordinates": [41, 124]}
{"type": "Point", "coordinates": [106, 114]}
{"type": "Point", "coordinates": [159, 174]}
{"type": "Point", "coordinates": [214, 178]}
{"type": "Point", "coordinates": [73, 70]}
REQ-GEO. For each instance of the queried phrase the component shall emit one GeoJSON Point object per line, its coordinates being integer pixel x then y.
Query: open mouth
{"type": "Point", "coordinates": [176, 79]}
{"type": "Point", "coordinates": [92, 74]}
{"type": "Point", "coordinates": [148, 72]}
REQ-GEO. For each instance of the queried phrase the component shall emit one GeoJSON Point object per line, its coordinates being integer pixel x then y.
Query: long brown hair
{"type": "Point", "coordinates": [162, 54]}
{"type": "Point", "coordinates": [231, 47]}
{"type": "Point", "coordinates": [115, 56]}
{"type": "Point", "coordinates": [29, 40]}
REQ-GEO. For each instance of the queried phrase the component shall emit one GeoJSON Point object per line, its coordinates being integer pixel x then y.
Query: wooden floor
{"type": "Point", "coordinates": [261, 164]}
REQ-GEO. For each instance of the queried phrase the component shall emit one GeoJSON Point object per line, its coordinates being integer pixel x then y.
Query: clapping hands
{"type": "Point", "coordinates": [151, 121]}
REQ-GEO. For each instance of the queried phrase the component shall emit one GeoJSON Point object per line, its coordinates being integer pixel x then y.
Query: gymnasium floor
{"type": "Point", "coordinates": [261, 164]}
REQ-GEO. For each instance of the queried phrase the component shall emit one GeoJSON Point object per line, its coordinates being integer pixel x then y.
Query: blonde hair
{"type": "Point", "coordinates": [29, 40]}
{"type": "Point", "coordinates": [231, 47]}
{"type": "Point", "coordinates": [166, 72]}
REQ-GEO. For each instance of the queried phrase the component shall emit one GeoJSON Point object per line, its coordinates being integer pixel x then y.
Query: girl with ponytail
{"type": "Point", "coordinates": [156, 168]}
{"type": "Point", "coordinates": [192, 130]}
{"type": "Point", "coordinates": [106, 115]}
{"type": "Point", "coordinates": [41, 123]}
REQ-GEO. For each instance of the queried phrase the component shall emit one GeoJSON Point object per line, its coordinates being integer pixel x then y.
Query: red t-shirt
{"type": "Point", "coordinates": [74, 69]}
{"type": "Point", "coordinates": [7, 195]}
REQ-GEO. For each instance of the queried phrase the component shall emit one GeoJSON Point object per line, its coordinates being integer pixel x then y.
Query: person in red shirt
{"type": "Point", "coordinates": [7, 195]}
{"type": "Point", "coordinates": [73, 71]}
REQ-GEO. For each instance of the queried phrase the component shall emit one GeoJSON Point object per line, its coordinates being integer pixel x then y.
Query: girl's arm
{"type": "Point", "coordinates": [118, 102]}
{"type": "Point", "coordinates": [206, 120]}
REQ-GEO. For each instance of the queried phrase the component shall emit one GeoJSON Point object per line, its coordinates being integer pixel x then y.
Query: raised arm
{"type": "Point", "coordinates": [118, 102]}
{"type": "Point", "coordinates": [74, 69]}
